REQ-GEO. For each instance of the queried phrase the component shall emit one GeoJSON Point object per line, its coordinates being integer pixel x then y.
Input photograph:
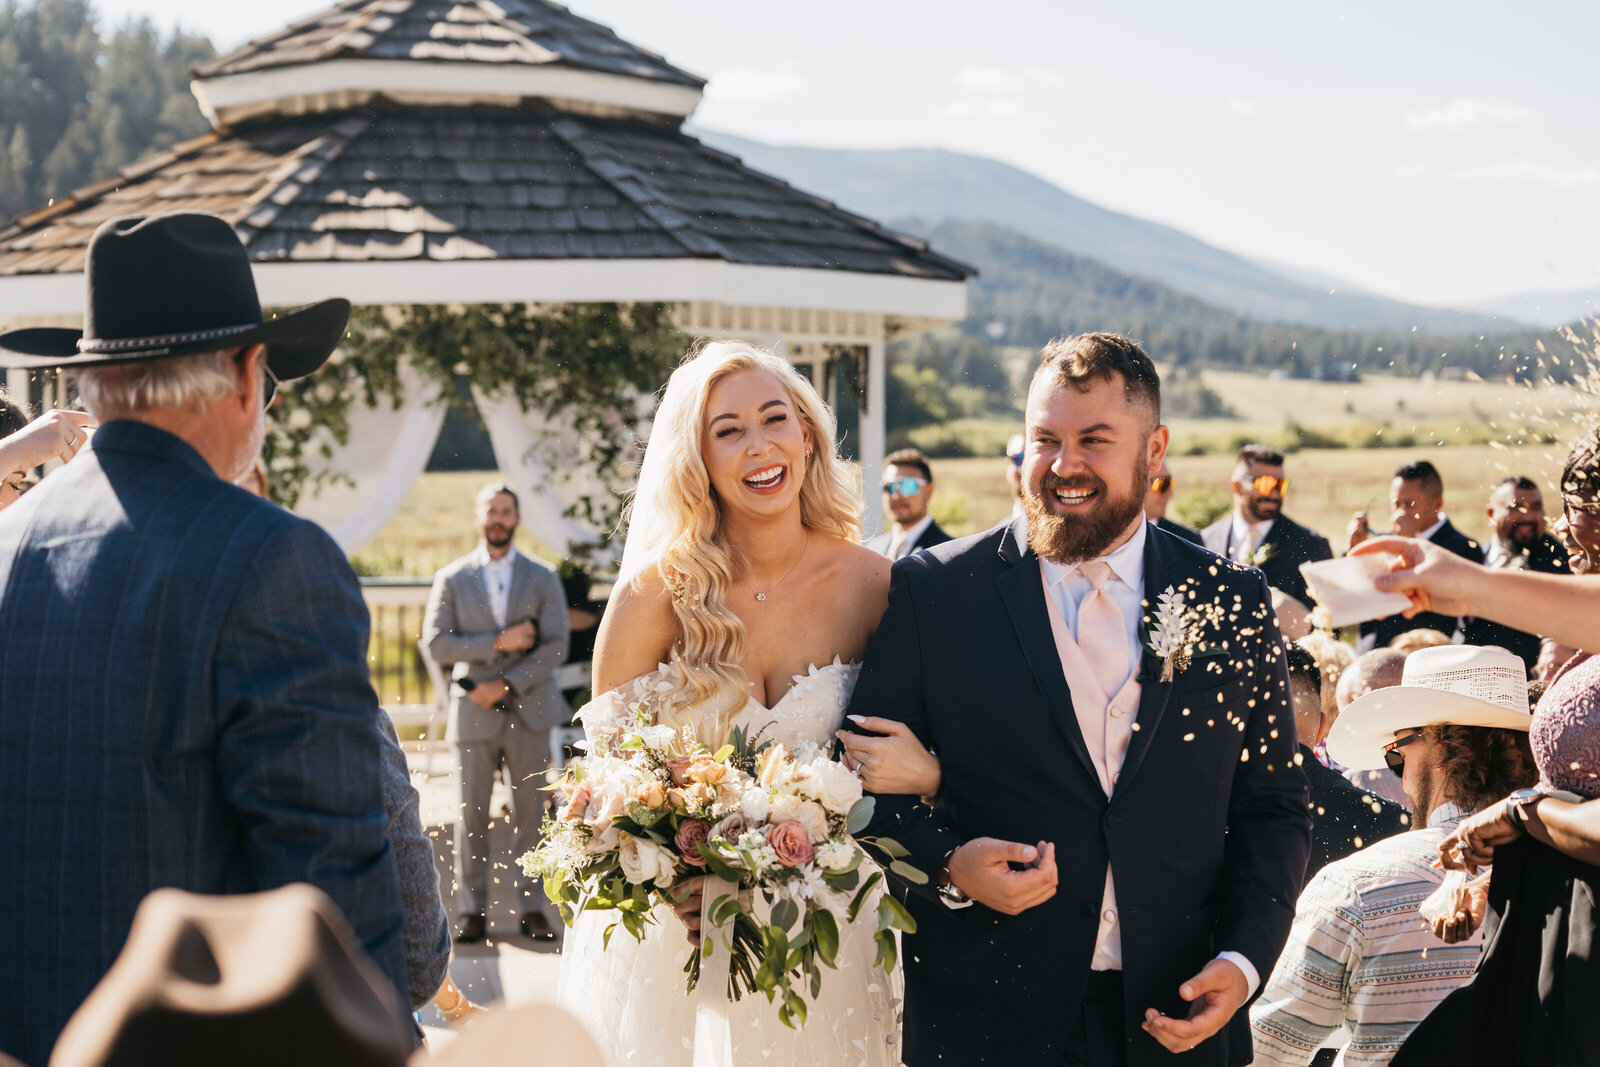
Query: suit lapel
{"type": "Point", "coordinates": [521, 592]}
{"type": "Point", "coordinates": [1153, 693]}
{"type": "Point", "coordinates": [1022, 591]}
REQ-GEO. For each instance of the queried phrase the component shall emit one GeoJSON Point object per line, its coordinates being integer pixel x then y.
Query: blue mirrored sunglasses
{"type": "Point", "coordinates": [904, 486]}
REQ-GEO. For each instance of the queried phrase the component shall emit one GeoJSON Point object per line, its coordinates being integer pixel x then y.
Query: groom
{"type": "Point", "coordinates": [1120, 834]}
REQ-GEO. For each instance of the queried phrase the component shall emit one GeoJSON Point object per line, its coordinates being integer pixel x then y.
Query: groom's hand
{"type": "Point", "coordinates": [1219, 990]}
{"type": "Point", "coordinates": [981, 869]}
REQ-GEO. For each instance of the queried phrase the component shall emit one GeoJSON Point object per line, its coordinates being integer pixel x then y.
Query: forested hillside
{"type": "Point", "coordinates": [79, 99]}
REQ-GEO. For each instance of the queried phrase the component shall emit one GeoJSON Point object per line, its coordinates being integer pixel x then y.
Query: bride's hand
{"type": "Point", "coordinates": [894, 763]}
{"type": "Point", "coordinates": [688, 909]}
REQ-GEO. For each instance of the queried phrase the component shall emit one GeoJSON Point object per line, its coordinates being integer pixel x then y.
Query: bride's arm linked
{"type": "Point", "coordinates": [890, 759]}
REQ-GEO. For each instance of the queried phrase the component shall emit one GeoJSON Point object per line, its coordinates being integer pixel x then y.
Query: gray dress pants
{"type": "Point", "coordinates": [522, 754]}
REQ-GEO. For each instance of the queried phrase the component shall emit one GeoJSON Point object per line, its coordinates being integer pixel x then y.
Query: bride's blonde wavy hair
{"type": "Point", "coordinates": [686, 539]}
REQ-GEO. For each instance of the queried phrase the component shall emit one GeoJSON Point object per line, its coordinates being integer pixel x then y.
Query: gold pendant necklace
{"type": "Point", "coordinates": [762, 596]}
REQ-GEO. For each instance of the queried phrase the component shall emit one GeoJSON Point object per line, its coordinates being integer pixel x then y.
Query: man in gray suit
{"type": "Point", "coordinates": [501, 619]}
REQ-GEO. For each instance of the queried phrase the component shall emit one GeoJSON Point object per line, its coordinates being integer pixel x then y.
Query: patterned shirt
{"type": "Point", "coordinates": [1359, 955]}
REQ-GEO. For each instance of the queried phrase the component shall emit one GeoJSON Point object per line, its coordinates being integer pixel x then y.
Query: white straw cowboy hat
{"type": "Point", "coordinates": [1456, 685]}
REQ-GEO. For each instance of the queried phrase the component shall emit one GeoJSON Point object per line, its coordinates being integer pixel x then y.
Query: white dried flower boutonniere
{"type": "Point", "coordinates": [1262, 552]}
{"type": "Point", "coordinates": [1173, 630]}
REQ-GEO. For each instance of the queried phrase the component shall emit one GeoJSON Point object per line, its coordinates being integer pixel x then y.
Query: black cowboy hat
{"type": "Point", "coordinates": [160, 286]}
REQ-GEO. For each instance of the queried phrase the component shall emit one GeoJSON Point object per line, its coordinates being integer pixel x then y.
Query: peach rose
{"type": "Point", "coordinates": [691, 832]}
{"type": "Point", "coordinates": [791, 843]}
{"type": "Point", "coordinates": [577, 804]}
{"type": "Point", "coordinates": [651, 795]}
{"type": "Point", "coordinates": [707, 770]}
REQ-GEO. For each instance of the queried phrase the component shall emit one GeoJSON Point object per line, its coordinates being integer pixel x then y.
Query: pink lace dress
{"type": "Point", "coordinates": [1565, 735]}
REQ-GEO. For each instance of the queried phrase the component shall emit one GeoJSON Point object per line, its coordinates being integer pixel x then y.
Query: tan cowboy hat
{"type": "Point", "coordinates": [1456, 685]}
{"type": "Point", "coordinates": [259, 979]}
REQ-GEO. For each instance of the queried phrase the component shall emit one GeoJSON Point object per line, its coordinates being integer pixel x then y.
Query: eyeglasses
{"type": "Point", "coordinates": [269, 388]}
{"type": "Point", "coordinates": [1161, 483]}
{"type": "Point", "coordinates": [1267, 485]}
{"type": "Point", "coordinates": [1016, 460]}
{"type": "Point", "coordinates": [1394, 757]}
{"type": "Point", "coordinates": [904, 486]}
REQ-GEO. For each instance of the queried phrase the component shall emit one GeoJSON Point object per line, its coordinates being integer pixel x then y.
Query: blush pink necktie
{"type": "Point", "coordinates": [1102, 633]}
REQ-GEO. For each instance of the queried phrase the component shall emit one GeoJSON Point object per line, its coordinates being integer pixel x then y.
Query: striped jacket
{"type": "Point", "coordinates": [1361, 957]}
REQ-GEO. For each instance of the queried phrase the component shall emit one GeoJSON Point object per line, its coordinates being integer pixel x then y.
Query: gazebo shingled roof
{"type": "Point", "coordinates": [470, 31]}
{"type": "Point", "coordinates": [480, 183]}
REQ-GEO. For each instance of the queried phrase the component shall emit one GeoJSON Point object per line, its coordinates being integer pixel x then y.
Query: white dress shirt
{"type": "Point", "coordinates": [1248, 534]}
{"type": "Point", "coordinates": [497, 581]}
{"type": "Point", "coordinates": [898, 539]}
{"type": "Point", "coordinates": [1427, 535]}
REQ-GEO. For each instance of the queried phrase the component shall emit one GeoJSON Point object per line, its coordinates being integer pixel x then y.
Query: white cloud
{"type": "Point", "coordinates": [1527, 170]}
{"type": "Point", "coordinates": [1245, 109]}
{"type": "Point", "coordinates": [753, 85]}
{"type": "Point", "coordinates": [990, 81]}
{"type": "Point", "coordinates": [1410, 170]}
{"type": "Point", "coordinates": [966, 109]}
{"type": "Point", "coordinates": [1461, 113]}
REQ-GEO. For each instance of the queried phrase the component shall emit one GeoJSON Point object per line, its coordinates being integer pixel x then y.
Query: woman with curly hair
{"type": "Point", "coordinates": [745, 600]}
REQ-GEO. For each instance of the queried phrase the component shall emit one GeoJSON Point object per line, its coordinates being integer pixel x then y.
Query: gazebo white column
{"type": "Point", "coordinates": [872, 432]}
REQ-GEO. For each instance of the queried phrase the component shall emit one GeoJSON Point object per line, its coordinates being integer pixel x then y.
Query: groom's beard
{"type": "Point", "coordinates": [1074, 538]}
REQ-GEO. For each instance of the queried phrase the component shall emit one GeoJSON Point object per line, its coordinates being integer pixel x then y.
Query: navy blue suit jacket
{"type": "Point", "coordinates": [184, 701]}
{"type": "Point", "coordinates": [1206, 830]}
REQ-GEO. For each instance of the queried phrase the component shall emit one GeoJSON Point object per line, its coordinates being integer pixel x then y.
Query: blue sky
{"type": "Point", "coordinates": [1438, 152]}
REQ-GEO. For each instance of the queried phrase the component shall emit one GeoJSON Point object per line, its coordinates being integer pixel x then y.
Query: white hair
{"type": "Point", "coordinates": [182, 382]}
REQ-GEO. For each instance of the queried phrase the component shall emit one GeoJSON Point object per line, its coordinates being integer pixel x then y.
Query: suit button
{"type": "Point", "coordinates": [1089, 908]}
{"type": "Point", "coordinates": [1114, 820]}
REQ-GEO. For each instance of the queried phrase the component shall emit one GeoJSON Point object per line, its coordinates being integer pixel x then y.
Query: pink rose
{"type": "Point", "coordinates": [791, 843]}
{"type": "Point", "coordinates": [678, 767]}
{"type": "Point", "coordinates": [731, 827]}
{"type": "Point", "coordinates": [690, 833]}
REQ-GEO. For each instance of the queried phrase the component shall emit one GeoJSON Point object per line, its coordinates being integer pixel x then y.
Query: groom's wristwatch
{"type": "Point", "coordinates": [1517, 805]}
{"type": "Point", "coordinates": [952, 897]}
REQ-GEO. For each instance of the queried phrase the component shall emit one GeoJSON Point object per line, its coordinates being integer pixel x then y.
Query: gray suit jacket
{"type": "Point", "coordinates": [460, 628]}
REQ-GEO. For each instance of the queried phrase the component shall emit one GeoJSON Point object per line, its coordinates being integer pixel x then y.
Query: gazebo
{"type": "Point", "coordinates": [467, 151]}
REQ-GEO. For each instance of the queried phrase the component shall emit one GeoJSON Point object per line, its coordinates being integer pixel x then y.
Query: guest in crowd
{"type": "Point", "coordinates": [1416, 503]}
{"type": "Point", "coordinates": [25, 445]}
{"type": "Point", "coordinates": [1343, 817]}
{"type": "Point", "coordinates": [1416, 640]}
{"type": "Point", "coordinates": [1532, 1000]}
{"type": "Point", "coordinates": [1156, 501]}
{"type": "Point", "coordinates": [1378, 669]}
{"type": "Point", "coordinates": [185, 699]}
{"type": "Point", "coordinates": [1516, 514]}
{"type": "Point", "coordinates": [1257, 533]}
{"type": "Point", "coordinates": [501, 618]}
{"type": "Point", "coordinates": [1334, 658]}
{"type": "Point", "coordinates": [1016, 448]}
{"type": "Point", "coordinates": [1357, 956]}
{"type": "Point", "coordinates": [907, 491]}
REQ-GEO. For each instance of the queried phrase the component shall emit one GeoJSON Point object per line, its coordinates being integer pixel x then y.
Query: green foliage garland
{"type": "Point", "coordinates": [581, 365]}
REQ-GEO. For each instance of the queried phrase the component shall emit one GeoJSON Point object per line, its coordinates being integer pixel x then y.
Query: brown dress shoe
{"type": "Point", "coordinates": [473, 929]}
{"type": "Point", "coordinates": [536, 926]}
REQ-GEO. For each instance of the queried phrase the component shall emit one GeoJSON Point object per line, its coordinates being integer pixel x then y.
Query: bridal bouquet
{"type": "Point", "coordinates": [647, 809]}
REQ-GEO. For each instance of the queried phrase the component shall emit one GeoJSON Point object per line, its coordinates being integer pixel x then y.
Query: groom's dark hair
{"type": "Point", "coordinates": [1081, 360]}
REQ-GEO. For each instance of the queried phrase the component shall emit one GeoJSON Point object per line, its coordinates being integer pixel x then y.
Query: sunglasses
{"type": "Point", "coordinates": [1016, 460]}
{"type": "Point", "coordinates": [1267, 485]}
{"type": "Point", "coordinates": [1161, 483]}
{"type": "Point", "coordinates": [904, 486]}
{"type": "Point", "coordinates": [1394, 757]}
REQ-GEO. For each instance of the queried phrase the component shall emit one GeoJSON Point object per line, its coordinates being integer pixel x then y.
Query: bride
{"type": "Point", "coordinates": [744, 600]}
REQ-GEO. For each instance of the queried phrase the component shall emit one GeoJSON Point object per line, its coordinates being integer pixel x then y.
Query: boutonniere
{"type": "Point", "coordinates": [1262, 553]}
{"type": "Point", "coordinates": [1173, 631]}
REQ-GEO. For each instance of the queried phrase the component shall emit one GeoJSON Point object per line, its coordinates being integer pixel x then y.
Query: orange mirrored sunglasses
{"type": "Point", "coordinates": [1267, 485]}
{"type": "Point", "coordinates": [1161, 483]}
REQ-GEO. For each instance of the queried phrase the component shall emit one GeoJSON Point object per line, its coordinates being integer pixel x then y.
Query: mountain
{"type": "Point", "coordinates": [1546, 309]}
{"type": "Point", "coordinates": [1027, 292]}
{"type": "Point", "coordinates": [938, 184]}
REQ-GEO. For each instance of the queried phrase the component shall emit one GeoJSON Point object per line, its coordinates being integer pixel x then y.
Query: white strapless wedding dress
{"type": "Point", "coordinates": [631, 995]}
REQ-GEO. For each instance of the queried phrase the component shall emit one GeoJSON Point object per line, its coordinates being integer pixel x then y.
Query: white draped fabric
{"type": "Point", "coordinates": [387, 452]}
{"type": "Point", "coordinates": [527, 447]}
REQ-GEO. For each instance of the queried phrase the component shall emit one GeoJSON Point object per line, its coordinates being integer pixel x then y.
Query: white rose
{"type": "Point", "coordinates": [835, 785]}
{"type": "Point", "coordinates": [299, 419]}
{"type": "Point", "coordinates": [643, 861]}
{"type": "Point", "coordinates": [756, 806]}
{"type": "Point", "coordinates": [326, 393]}
{"type": "Point", "coordinates": [834, 855]}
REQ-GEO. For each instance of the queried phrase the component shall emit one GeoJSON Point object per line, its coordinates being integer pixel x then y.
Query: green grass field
{"type": "Point", "coordinates": [1475, 432]}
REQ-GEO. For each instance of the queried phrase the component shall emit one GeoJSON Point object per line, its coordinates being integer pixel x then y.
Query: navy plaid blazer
{"type": "Point", "coordinates": [184, 701]}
